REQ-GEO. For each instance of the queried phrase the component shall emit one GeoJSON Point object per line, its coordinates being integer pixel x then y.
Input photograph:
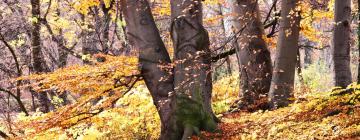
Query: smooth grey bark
{"type": "Point", "coordinates": [191, 50]}
{"type": "Point", "coordinates": [39, 65]}
{"type": "Point", "coordinates": [253, 56]}
{"type": "Point", "coordinates": [341, 43]}
{"type": "Point", "coordinates": [223, 25]}
{"type": "Point", "coordinates": [180, 115]}
{"type": "Point", "coordinates": [192, 70]}
{"type": "Point", "coordinates": [282, 84]}
{"type": "Point", "coordinates": [154, 59]}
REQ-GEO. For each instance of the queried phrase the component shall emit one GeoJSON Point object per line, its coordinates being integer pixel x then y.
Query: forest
{"type": "Point", "coordinates": [179, 69]}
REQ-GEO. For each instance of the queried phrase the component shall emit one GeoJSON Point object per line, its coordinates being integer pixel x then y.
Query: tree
{"type": "Point", "coordinates": [253, 55]}
{"type": "Point", "coordinates": [39, 64]}
{"type": "Point", "coordinates": [284, 69]}
{"type": "Point", "coordinates": [145, 36]}
{"type": "Point", "coordinates": [341, 43]}
{"type": "Point", "coordinates": [183, 101]}
{"type": "Point", "coordinates": [358, 33]}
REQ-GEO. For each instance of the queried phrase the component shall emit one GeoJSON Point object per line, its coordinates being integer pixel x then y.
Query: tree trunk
{"type": "Point", "coordinates": [224, 28]}
{"type": "Point", "coordinates": [341, 38]}
{"type": "Point", "coordinates": [282, 84]}
{"type": "Point", "coordinates": [39, 65]}
{"type": "Point", "coordinates": [89, 40]}
{"type": "Point", "coordinates": [299, 68]}
{"type": "Point", "coordinates": [253, 55]}
{"type": "Point", "coordinates": [154, 59]}
{"type": "Point", "coordinates": [180, 115]}
{"type": "Point", "coordinates": [192, 70]}
{"type": "Point", "coordinates": [358, 33]}
{"type": "Point", "coordinates": [308, 56]}
{"type": "Point", "coordinates": [191, 47]}
{"type": "Point", "coordinates": [106, 26]}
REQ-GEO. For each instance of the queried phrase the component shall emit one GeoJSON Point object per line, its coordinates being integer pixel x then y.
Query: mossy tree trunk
{"type": "Point", "coordinates": [191, 50]}
{"type": "Point", "coordinates": [192, 69]}
{"type": "Point", "coordinates": [181, 115]}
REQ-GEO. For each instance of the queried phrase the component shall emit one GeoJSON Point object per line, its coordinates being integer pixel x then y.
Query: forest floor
{"type": "Point", "coordinates": [334, 115]}
{"type": "Point", "coordinates": [314, 115]}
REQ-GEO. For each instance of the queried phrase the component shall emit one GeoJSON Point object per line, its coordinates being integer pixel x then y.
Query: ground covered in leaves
{"type": "Point", "coordinates": [329, 115]}
{"type": "Point", "coordinates": [314, 115]}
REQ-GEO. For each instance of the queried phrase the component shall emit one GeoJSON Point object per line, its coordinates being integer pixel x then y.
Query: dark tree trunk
{"type": "Point", "coordinates": [4, 135]}
{"type": "Point", "coordinates": [341, 38]}
{"type": "Point", "coordinates": [254, 57]}
{"type": "Point", "coordinates": [299, 68]}
{"type": "Point", "coordinates": [89, 41]}
{"type": "Point", "coordinates": [307, 57]}
{"type": "Point", "coordinates": [106, 26]}
{"type": "Point", "coordinates": [358, 77]}
{"type": "Point", "coordinates": [39, 65]}
{"type": "Point", "coordinates": [282, 84]}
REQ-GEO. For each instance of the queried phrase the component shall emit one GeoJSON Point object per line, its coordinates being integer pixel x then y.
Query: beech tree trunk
{"type": "Point", "coordinates": [191, 50]}
{"type": "Point", "coordinates": [154, 58]}
{"type": "Point", "coordinates": [254, 57]}
{"type": "Point", "coordinates": [224, 28]}
{"type": "Point", "coordinates": [282, 84]}
{"type": "Point", "coordinates": [192, 70]}
{"type": "Point", "coordinates": [341, 43]}
{"type": "Point", "coordinates": [39, 65]}
{"type": "Point", "coordinates": [181, 115]}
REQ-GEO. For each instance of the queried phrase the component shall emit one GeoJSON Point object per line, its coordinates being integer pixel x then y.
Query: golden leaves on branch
{"type": "Point", "coordinates": [98, 87]}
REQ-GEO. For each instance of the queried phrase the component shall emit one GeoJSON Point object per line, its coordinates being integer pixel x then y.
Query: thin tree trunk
{"type": "Point", "coordinates": [299, 68]}
{"type": "Point", "coordinates": [282, 84]}
{"type": "Point", "coordinates": [106, 26]}
{"type": "Point", "coordinates": [308, 56]}
{"type": "Point", "coordinates": [19, 73]}
{"type": "Point", "coordinates": [223, 25]}
{"type": "Point", "coordinates": [89, 40]}
{"type": "Point", "coordinates": [39, 65]}
{"type": "Point", "coordinates": [341, 38]}
{"type": "Point", "coordinates": [358, 77]}
{"type": "Point", "coordinates": [253, 55]}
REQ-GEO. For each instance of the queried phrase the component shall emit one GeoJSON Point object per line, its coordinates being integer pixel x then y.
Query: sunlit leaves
{"type": "Point", "coordinates": [83, 5]}
{"type": "Point", "coordinates": [108, 80]}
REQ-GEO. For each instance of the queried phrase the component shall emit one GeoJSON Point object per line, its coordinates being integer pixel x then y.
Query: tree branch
{"type": "Point", "coordinates": [223, 55]}
{"type": "Point", "coordinates": [4, 135]}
